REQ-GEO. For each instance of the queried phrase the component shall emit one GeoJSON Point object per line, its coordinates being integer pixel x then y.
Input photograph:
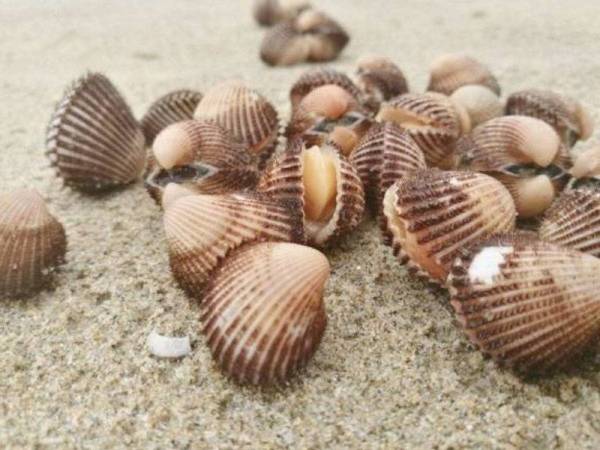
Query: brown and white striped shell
{"type": "Point", "coordinates": [170, 108]}
{"type": "Point", "coordinates": [247, 115]}
{"type": "Point", "coordinates": [566, 115]}
{"type": "Point", "coordinates": [528, 304]}
{"type": "Point", "coordinates": [432, 120]}
{"type": "Point", "coordinates": [270, 12]}
{"type": "Point", "coordinates": [32, 243]}
{"type": "Point", "coordinates": [451, 71]}
{"type": "Point", "coordinates": [263, 315]}
{"type": "Point", "coordinates": [321, 183]}
{"type": "Point", "coordinates": [433, 215]}
{"type": "Point", "coordinates": [93, 139]}
{"type": "Point", "coordinates": [312, 36]}
{"type": "Point", "coordinates": [480, 102]}
{"type": "Point", "coordinates": [315, 78]}
{"type": "Point", "coordinates": [201, 156]}
{"type": "Point", "coordinates": [522, 152]}
{"type": "Point", "coordinates": [573, 221]}
{"type": "Point", "coordinates": [201, 230]}
{"type": "Point", "coordinates": [380, 80]}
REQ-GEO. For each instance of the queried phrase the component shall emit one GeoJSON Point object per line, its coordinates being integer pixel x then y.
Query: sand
{"type": "Point", "coordinates": [393, 370]}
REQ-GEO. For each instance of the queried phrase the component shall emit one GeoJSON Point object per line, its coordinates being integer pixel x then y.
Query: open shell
{"type": "Point", "coordinates": [202, 229]}
{"type": "Point", "coordinates": [480, 102]}
{"type": "Point", "coordinates": [432, 120]}
{"type": "Point", "coordinates": [566, 115]}
{"type": "Point", "coordinates": [93, 139]}
{"type": "Point", "coordinates": [173, 107]}
{"type": "Point", "coordinates": [528, 304]}
{"type": "Point", "coordinates": [270, 12]}
{"type": "Point", "coordinates": [433, 215]}
{"type": "Point", "coordinates": [32, 243]}
{"type": "Point", "coordinates": [525, 154]}
{"type": "Point", "coordinates": [202, 157]}
{"type": "Point", "coordinates": [321, 183]}
{"type": "Point", "coordinates": [315, 78]}
{"type": "Point", "coordinates": [263, 314]}
{"type": "Point", "coordinates": [451, 71]}
{"type": "Point", "coordinates": [380, 80]}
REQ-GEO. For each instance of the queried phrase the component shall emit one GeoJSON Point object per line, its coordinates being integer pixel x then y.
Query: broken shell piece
{"type": "Point", "coordinates": [173, 107]}
{"type": "Point", "coordinates": [32, 243]}
{"type": "Point", "coordinates": [433, 215]}
{"type": "Point", "coordinates": [93, 139]}
{"type": "Point", "coordinates": [380, 80]}
{"type": "Point", "coordinates": [566, 115]}
{"type": "Point", "coordinates": [315, 78]}
{"type": "Point", "coordinates": [263, 314]}
{"type": "Point", "coordinates": [312, 36]}
{"type": "Point", "coordinates": [202, 157]}
{"type": "Point", "coordinates": [573, 221]}
{"type": "Point", "coordinates": [432, 120]}
{"type": "Point", "coordinates": [587, 163]}
{"type": "Point", "coordinates": [530, 305]}
{"type": "Point", "coordinates": [248, 116]}
{"type": "Point", "coordinates": [320, 182]}
{"type": "Point", "coordinates": [202, 229]}
{"type": "Point", "coordinates": [481, 103]}
{"type": "Point", "coordinates": [270, 12]}
{"type": "Point", "coordinates": [168, 347]}
{"type": "Point", "coordinates": [451, 71]}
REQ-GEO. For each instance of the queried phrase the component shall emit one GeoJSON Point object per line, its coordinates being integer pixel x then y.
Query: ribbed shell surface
{"type": "Point", "coordinates": [319, 77]}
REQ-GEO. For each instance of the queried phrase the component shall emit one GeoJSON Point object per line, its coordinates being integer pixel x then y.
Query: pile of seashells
{"type": "Point", "coordinates": [450, 174]}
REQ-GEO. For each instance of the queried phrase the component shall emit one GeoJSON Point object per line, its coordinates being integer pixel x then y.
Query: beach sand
{"type": "Point", "coordinates": [393, 370]}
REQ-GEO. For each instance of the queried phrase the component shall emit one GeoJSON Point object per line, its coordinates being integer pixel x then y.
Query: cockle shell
{"type": "Point", "coordinates": [451, 71]}
{"type": "Point", "coordinates": [93, 139]}
{"type": "Point", "coordinates": [528, 304]}
{"type": "Point", "coordinates": [243, 112]}
{"type": "Point", "coordinates": [432, 120]}
{"type": "Point", "coordinates": [202, 229]}
{"type": "Point", "coordinates": [201, 156]}
{"type": "Point", "coordinates": [586, 169]}
{"type": "Point", "coordinates": [525, 154]}
{"type": "Point", "coordinates": [481, 103]}
{"type": "Point", "coordinates": [433, 215]}
{"type": "Point", "coordinates": [270, 12]}
{"type": "Point", "coordinates": [380, 80]}
{"type": "Point", "coordinates": [32, 243]}
{"type": "Point", "coordinates": [315, 78]}
{"type": "Point", "coordinates": [566, 115]}
{"type": "Point", "coordinates": [170, 108]}
{"type": "Point", "coordinates": [321, 183]}
{"type": "Point", "coordinates": [263, 315]}
{"type": "Point", "coordinates": [573, 221]}
{"type": "Point", "coordinates": [311, 36]}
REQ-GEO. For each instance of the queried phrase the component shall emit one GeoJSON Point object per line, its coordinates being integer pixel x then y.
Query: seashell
{"type": "Point", "coordinates": [270, 12]}
{"type": "Point", "coordinates": [451, 71]}
{"type": "Point", "coordinates": [243, 112]}
{"type": "Point", "coordinates": [263, 314]}
{"type": "Point", "coordinates": [481, 103]}
{"type": "Point", "coordinates": [586, 169]}
{"type": "Point", "coordinates": [32, 243]}
{"type": "Point", "coordinates": [433, 215]}
{"type": "Point", "coordinates": [173, 107]}
{"type": "Point", "coordinates": [321, 183]}
{"type": "Point", "coordinates": [315, 78]}
{"type": "Point", "coordinates": [93, 139]}
{"type": "Point", "coordinates": [525, 154]}
{"type": "Point", "coordinates": [432, 120]}
{"type": "Point", "coordinates": [566, 115]}
{"type": "Point", "coordinates": [311, 36]}
{"type": "Point", "coordinates": [202, 157]}
{"type": "Point", "coordinates": [573, 221]}
{"type": "Point", "coordinates": [201, 230]}
{"type": "Point", "coordinates": [380, 80]}
{"type": "Point", "coordinates": [528, 304]}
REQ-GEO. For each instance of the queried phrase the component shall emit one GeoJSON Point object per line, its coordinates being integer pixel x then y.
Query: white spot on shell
{"type": "Point", "coordinates": [168, 347]}
{"type": "Point", "coordinates": [486, 264]}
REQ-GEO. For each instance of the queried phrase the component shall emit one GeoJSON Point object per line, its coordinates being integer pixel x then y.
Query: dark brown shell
{"type": "Point", "coordinates": [320, 77]}
{"type": "Point", "coordinates": [271, 12]}
{"type": "Point", "coordinates": [380, 80]}
{"type": "Point", "coordinates": [170, 108]}
{"type": "Point", "coordinates": [93, 139]}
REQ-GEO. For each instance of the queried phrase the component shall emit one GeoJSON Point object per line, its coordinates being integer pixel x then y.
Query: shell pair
{"type": "Point", "coordinates": [454, 70]}
{"type": "Point", "coordinates": [379, 79]}
{"type": "Point", "coordinates": [32, 243]}
{"type": "Point", "coordinates": [311, 36]}
{"type": "Point", "coordinates": [525, 154]}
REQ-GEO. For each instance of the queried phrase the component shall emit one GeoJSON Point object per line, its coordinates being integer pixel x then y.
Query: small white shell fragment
{"type": "Point", "coordinates": [168, 347]}
{"type": "Point", "coordinates": [486, 265]}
